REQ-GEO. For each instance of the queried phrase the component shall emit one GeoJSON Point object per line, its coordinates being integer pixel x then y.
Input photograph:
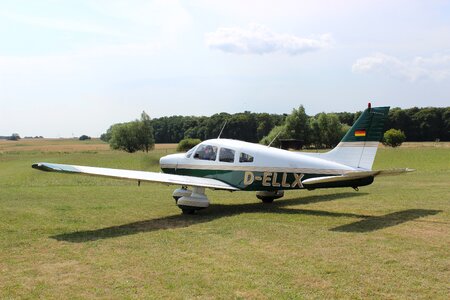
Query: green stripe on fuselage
{"type": "Point", "coordinates": [258, 181]}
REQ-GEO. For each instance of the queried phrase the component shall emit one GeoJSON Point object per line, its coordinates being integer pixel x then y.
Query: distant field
{"type": "Point", "coordinates": [70, 236]}
{"type": "Point", "coordinates": [62, 145]}
{"type": "Point", "coordinates": [74, 145]}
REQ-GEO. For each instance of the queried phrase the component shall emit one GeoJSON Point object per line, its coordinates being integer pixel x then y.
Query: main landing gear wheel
{"type": "Point", "coordinates": [269, 196]}
{"type": "Point", "coordinates": [189, 210]}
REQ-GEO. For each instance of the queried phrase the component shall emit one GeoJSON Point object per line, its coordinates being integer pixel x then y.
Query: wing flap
{"type": "Point", "coordinates": [136, 175]}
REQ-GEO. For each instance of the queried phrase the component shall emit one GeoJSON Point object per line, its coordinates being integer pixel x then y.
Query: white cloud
{"type": "Point", "coordinates": [436, 67]}
{"type": "Point", "coordinates": [259, 39]}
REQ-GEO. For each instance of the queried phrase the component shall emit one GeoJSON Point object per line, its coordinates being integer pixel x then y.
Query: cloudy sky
{"type": "Point", "coordinates": [75, 67]}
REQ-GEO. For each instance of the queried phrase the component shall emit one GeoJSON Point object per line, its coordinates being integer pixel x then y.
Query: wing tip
{"type": "Point", "coordinates": [41, 166]}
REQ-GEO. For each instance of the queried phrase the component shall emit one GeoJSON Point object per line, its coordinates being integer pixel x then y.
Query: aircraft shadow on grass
{"type": "Point", "coordinates": [215, 211]}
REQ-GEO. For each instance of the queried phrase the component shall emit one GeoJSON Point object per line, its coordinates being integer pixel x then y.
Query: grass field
{"type": "Point", "coordinates": [70, 236]}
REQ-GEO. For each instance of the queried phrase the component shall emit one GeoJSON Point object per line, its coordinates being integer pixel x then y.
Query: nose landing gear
{"type": "Point", "coordinates": [178, 193]}
{"type": "Point", "coordinates": [191, 201]}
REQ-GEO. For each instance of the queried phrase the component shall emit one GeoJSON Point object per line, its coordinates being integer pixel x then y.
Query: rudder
{"type": "Point", "coordinates": [359, 145]}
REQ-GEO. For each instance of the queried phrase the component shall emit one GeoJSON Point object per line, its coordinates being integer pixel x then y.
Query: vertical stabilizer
{"type": "Point", "coordinates": [359, 145]}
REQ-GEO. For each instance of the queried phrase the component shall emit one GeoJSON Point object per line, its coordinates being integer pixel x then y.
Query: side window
{"type": "Point", "coordinates": [206, 152]}
{"type": "Point", "coordinates": [244, 157]}
{"type": "Point", "coordinates": [226, 155]}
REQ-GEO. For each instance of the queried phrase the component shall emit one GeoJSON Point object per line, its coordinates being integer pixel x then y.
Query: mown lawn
{"type": "Point", "coordinates": [70, 236]}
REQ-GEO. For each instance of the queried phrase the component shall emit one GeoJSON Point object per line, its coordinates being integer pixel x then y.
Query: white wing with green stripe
{"type": "Point", "coordinates": [137, 175]}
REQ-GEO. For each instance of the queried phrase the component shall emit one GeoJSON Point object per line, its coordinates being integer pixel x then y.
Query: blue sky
{"type": "Point", "coordinates": [75, 67]}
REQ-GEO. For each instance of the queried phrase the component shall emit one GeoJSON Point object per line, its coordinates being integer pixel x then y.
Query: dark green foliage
{"type": "Point", "coordinates": [274, 136]}
{"type": "Point", "coordinates": [393, 138]}
{"type": "Point", "coordinates": [84, 137]}
{"type": "Point", "coordinates": [107, 135]}
{"type": "Point", "coordinates": [418, 124]}
{"type": "Point", "coordinates": [297, 125]}
{"type": "Point", "coordinates": [325, 130]}
{"type": "Point", "coordinates": [244, 126]}
{"type": "Point", "coordinates": [321, 131]}
{"type": "Point", "coordinates": [422, 124]}
{"type": "Point", "coordinates": [14, 137]}
{"type": "Point", "coordinates": [445, 130]}
{"type": "Point", "coordinates": [132, 136]}
{"type": "Point", "coordinates": [145, 132]}
{"type": "Point", "coordinates": [346, 118]}
{"type": "Point", "coordinates": [186, 144]}
{"type": "Point", "coordinates": [124, 137]}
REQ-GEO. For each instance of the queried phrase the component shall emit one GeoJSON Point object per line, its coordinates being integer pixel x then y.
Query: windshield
{"type": "Point", "coordinates": [206, 152]}
{"type": "Point", "coordinates": [189, 153]}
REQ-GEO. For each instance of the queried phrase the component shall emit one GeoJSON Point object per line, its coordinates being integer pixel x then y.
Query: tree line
{"type": "Point", "coordinates": [246, 126]}
{"type": "Point", "coordinates": [323, 130]}
{"type": "Point", "coordinates": [418, 124]}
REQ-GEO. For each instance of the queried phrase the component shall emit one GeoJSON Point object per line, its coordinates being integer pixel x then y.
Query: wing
{"type": "Point", "coordinates": [354, 175]}
{"type": "Point", "coordinates": [137, 175]}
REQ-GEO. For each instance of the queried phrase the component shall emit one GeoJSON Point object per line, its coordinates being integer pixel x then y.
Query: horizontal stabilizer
{"type": "Point", "coordinates": [354, 175]}
{"type": "Point", "coordinates": [137, 175]}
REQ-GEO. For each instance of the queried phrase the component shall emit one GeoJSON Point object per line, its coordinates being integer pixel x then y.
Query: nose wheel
{"type": "Point", "coordinates": [181, 192]}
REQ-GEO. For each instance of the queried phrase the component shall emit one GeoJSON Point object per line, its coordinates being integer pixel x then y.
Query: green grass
{"type": "Point", "coordinates": [70, 236]}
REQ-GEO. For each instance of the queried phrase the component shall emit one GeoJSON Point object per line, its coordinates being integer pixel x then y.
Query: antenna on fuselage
{"type": "Point", "coordinates": [274, 138]}
{"type": "Point", "coordinates": [223, 127]}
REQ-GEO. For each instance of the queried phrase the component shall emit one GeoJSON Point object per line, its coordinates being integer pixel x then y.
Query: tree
{"type": "Point", "coordinates": [297, 126]}
{"type": "Point", "coordinates": [145, 132]}
{"type": "Point", "coordinates": [429, 121]}
{"type": "Point", "coordinates": [14, 137]}
{"type": "Point", "coordinates": [346, 118]}
{"type": "Point", "coordinates": [107, 135]}
{"type": "Point", "coordinates": [84, 137]}
{"type": "Point", "coordinates": [133, 136]}
{"type": "Point", "coordinates": [274, 136]}
{"type": "Point", "coordinates": [445, 131]}
{"type": "Point", "coordinates": [125, 137]}
{"type": "Point", "coordinates": [186, 144]}
{"type": "Point", "coordinates": [326, 130]}
{"type": "Point", "coordinates": [330, 129]}
{"type": "Point", "coordinates": [314, 128]}
{"type": "Point", "coordinates": [393, 137]}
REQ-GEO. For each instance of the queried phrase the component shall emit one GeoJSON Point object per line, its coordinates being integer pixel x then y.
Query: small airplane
{"type": "Point", "coordinates": [226, 164]}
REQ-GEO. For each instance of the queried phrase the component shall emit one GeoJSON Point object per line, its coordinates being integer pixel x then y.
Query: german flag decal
{"type": "Point", "coordinates": [360, 132]}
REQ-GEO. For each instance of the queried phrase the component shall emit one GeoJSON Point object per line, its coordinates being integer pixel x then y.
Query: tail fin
{"type": "Point", "coordinates": [359, 145]}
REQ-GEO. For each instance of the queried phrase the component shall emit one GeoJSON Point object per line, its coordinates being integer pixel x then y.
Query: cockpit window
{"type": "Point", "coordinates": [244, 157]}
{"type": "Point", "coordinates": [206, 152]}
{"type": "Point", "coordinates": [226, 155]}
{"type": "Point", "coordinates": [189, 153]}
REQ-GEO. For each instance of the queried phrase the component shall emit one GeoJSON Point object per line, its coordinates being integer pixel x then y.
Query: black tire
{"type": "Point", "coordinates": [188, 211]}
{"type": "Point", "coordinates": [267, 199]}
